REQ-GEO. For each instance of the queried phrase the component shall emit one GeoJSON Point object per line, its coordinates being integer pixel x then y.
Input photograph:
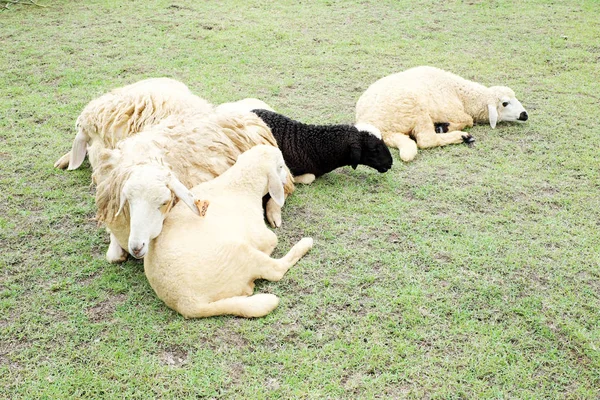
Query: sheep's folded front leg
{"type": "Point", "coordinates": [115, 253]}
{"type": "Point", "coordinates": [305, 179]}
{"type": "Point", "coordinates": [63, 162]}
{"type": "Point", "coordinates": [406, 146]}
{"type": "Point", "coordinates": [426, 137]}
{"type": "Point", "coordinates": [273, 212]}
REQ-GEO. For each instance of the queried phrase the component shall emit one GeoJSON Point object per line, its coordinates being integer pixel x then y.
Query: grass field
{"type": "Point", "coordinates": [467, 273]}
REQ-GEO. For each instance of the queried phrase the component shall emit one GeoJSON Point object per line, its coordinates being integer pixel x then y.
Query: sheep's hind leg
{"type": "Point", "coordinates": [257, 305]}
{"type": "Point", "coordinates": [274, 269]}
{"type": "Point", "coordinates": [305, 179]}
{"type": "Point", "coordinates": [406, 146]}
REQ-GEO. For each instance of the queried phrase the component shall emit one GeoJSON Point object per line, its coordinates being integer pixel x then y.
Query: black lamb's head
{"type": "Point", "coordinates": [371, 152]}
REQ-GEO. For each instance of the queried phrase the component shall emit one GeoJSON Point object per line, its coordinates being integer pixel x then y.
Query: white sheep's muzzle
{"type": "Point", "coordinates": [145, 224]}
{"type": "Point", "coordinates": [511, 110]}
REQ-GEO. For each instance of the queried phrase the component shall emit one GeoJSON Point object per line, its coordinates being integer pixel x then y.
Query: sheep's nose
{"type": "Point", "coordinates": [523, 116]}
{"type": "Point", "coordinates": [137, 250]}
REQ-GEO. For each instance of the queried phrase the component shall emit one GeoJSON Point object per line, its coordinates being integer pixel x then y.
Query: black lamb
{"type": "Point", "coordinates": [319, 149]}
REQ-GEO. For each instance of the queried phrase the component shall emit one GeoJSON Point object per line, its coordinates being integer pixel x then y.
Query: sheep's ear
{"type": "Point", "coordinates": [121, 203]}
{"type": "Point", "coordinates": [355, 152]}
{"type": "Point", "coordinates": [493, 115]}
{"type": "Point", "coordinates": [276, 188]}
{"type": "Point", "coordinates": [183, 194]}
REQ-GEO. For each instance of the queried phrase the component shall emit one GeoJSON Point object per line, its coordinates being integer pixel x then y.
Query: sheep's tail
{"type": "Point", "coordinates": [258, 305]}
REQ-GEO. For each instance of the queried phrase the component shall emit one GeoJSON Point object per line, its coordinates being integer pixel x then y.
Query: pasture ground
{"type": "Point", "coordinates": [468, 273]}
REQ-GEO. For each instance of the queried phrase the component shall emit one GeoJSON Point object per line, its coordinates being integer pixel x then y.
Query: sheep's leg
{"type": "Point", "coordinates": [273, 212]}
{"type": "Point", "coordinates": [115, 253]}
{"type": "Point", "coordinates": [460, 121]}
{"type": "Point", "coordinates": [407, 146]}
{"type": "Point", "coordinates": [78, 150]}
{"type": "Point", "coordinates": [267, 242]}
{"type": "Point", "coordinates": [426, 136]}
{"type": "Point", "coordinates": [274, 269]}
{"type": "Point", "coordinates": [63, 162]}
{"type": "Point", "coordinates": [258, 305]}
{"type": "Point", "coordinates": [305, 179]}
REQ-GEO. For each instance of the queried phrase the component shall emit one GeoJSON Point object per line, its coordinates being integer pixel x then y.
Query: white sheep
{"type": "Point", "coordinates": [147, 172]}
{"type": "Point", "coordinates": [202, 267]}
{"type": "Point", "coordinates": [126, 111]}
{"type": "Point", "coordinates": [409, 106]}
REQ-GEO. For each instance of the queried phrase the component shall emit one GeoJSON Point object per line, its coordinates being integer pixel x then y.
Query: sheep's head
{"type": "Point", "coordinates": [150, 192]}
{"type": "Point", "coordinates": [271, 162]}
{"type": "Point", "coordinates": [504, 106]}
{"type": "Point", "coordinates": [370, 150]}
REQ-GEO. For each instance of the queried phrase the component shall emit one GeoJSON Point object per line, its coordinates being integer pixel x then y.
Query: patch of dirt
{"type": "Point", "coordinates": [104, 310]}
{"type": "Point", "coordinates": [224, 338]}
{"type": "Point", "coordinates": [174, 357]}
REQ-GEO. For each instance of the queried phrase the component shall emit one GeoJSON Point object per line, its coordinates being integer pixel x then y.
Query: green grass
{"type": "Point", "coordinates": [468, 273]}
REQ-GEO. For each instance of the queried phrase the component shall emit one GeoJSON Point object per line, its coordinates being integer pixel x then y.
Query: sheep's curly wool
{"type": "Point", "coordinates": [319, 149]}
{"type": "Point", "coordinates": [124, 112]}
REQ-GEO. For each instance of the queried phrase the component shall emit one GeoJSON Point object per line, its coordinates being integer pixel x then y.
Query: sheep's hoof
{"type": "Point", "coordinates": [441, 127]}
{"type": "Point", "coordinates": [468, 139]}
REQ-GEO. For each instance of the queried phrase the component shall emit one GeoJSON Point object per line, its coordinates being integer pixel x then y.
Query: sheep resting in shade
{"type": "Point", "coordinates": [313, 150]}
{"type": "Point", "coordinates": [126, 111]}
{"type": "Point", "coordinates": [411, 106]}
{"type": "Point", "coordinates": [139, 181]}
{"type": "Point", "coordinates": [202, 267]}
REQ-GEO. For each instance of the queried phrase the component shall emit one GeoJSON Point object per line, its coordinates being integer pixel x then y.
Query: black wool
{"type": "Point", "coordinates": [319, 149]}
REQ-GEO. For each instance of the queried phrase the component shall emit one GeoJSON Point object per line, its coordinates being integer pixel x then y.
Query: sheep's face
{"type": "Point", "coordinates": [271, 163]}
{"type": "Point", "coordinates": [150, 193]}
{"type": "Point", "coordinates": [507, 107]}
{"type": "Point", "coordinates": [277, 177]}
{"type": "Point", "coordinates": [374, 153]}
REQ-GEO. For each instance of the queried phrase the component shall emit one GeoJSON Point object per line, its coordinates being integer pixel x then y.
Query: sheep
{"type": "Point", "coordinates": [313, 150]}
{"type": "Point", "coordinates": [207, 267]}
{"type": "Point", "coordinates": [150, 170]}
{"type": "Point", "coordinates": [126, 111]}
{"type": "Point", "coordinates": [410, 107]}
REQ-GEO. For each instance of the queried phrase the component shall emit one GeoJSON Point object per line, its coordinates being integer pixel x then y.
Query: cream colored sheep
{"type": "Point", "coordinates": [407, 106]}
{"type": "Point", "coordinates": [126, 111]}
{"type": "Point", "coordinates": [147, 172]}
{"type": "Point", "coordinates": [244, 105]}
{"type": "Point", "coordinates": [202, 267]}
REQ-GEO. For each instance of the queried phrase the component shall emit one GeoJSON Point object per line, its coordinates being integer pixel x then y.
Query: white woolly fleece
{"type": "Point", "coordinates": [368, 128]}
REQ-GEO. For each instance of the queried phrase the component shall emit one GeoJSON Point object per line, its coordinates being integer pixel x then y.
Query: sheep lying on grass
{"type": "Point", "coordinates": [202, 267]}
{"type": "Point", "coordinates": [126, 111]}
{"type": "Point", "coordinates": [411, 106]}
{"type": "Point", "coordinates": [147, 172]}
{"type": "Point", "coordinates": [313, 150]}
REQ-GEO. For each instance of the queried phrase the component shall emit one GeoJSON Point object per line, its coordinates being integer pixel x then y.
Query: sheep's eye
{"type": "Point", "coordinates": [164, 204]}
{"type": "Point", "coordinates": [505, 104]}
